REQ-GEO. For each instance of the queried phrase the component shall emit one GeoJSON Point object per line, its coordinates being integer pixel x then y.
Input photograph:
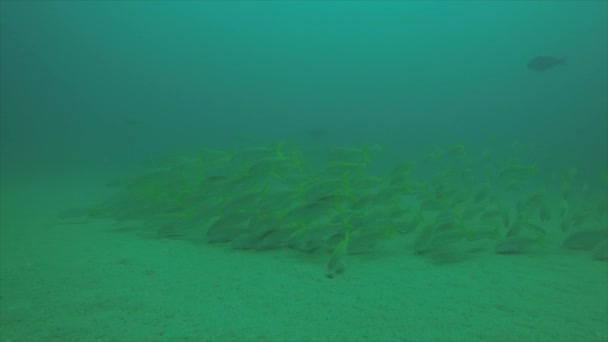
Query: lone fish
{"type": "Point", "coordinates": [543, 63]}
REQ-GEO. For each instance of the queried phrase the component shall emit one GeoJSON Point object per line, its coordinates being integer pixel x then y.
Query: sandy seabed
{"type": "Point", "coordinates": [91, 281]}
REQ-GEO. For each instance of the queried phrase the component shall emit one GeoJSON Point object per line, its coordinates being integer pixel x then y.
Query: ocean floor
{"type": "Point", "coordinates": [95, 280]}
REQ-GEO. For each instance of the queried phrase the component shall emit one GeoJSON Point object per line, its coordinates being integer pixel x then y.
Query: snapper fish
{"type": "Point", "coordinates": [544, 63]}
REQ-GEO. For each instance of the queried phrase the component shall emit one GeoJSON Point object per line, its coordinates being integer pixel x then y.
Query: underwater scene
{"type": "Point", "coordinates": [304, 171]}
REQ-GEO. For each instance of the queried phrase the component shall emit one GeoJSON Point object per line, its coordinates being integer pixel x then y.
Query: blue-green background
{"type": "Point", "coordinates": [114, 81]}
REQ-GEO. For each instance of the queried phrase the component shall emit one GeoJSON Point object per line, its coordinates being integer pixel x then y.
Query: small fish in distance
{"type": "Point", "coordinates": [544, 63]}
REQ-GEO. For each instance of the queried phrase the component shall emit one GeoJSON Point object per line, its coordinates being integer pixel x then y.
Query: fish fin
{"type": "Point", "coordinates": [279, 150]}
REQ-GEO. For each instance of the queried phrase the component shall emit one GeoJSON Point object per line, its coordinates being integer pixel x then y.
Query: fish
{"type": "Point", "coordinates": [517, 245]}
{"type": "Point", "coordinates": [585, 239]}
{"type": "Point", "coordinates": [340, 168]}
{"type": "Point", "coordinates": [481, 194]}
{"type": "Point", "coordinates": [337, 261]}
{"type": "Point", "coordinates": [516, 171]}
{"type": "Point", "coordinates": [544, 63]}
{"type": "Point", "coordinates": [600, 252]}
{"type": "Point", "coordinates": [256, 153]}
{"type": "Point", "coordinates": [274, 167]}
{"type": "Point", "coordinates": [544, 213]}
{"type": "Point", "coordinates": [408, 226]}
{"type": "Point", "coordinates": [227, 228]}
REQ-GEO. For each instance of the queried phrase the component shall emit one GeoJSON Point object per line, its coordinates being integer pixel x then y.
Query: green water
{"type": "Point", "coordinates": [303, 171]}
